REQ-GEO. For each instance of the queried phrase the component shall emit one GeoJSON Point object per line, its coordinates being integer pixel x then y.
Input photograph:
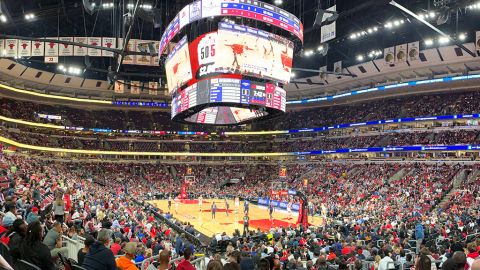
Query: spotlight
{"type": "Point", "coordinates": [29, 16]}
{"type": "Point", "coordinates": [61, 67]}
{"type": "Point", "coordinates": [431, 14]}
{"type": "Point", "coordinates": [360, 58]}
{"type": "Point", "coordinates": [3, 18]}
{"type": "Point", "coordinates": [388, 25]}
{"type": "Point", "coordinates": [429, 42]}
{"type": "Point", "coordinates": [462, 36]}
{"type": "Point", "coordinates": [278, 2]}
{"type": "Point", "coordinates": [353, 36]}
{"type": "Point", "coordinates": [320, 48]}
{"type": "Point", "coordinates": [370, 30]}
{"type": "Point", "coordinates": [375, 29]}
{"type": "Point", "coordinates": [396, 23]}
{"type": "Point", "coordinates": [292, 75]}
{"type": "Point", "coordinates": [421, 16]}
{"type": "Point", "coordinates": [443, 40]}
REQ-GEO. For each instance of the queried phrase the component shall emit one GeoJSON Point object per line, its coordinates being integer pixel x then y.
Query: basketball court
{"type": "Point", "coordinates": [189, 211]}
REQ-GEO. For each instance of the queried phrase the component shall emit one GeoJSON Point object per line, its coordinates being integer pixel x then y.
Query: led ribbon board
{"type": "Point", "coordinates": [250, 9]}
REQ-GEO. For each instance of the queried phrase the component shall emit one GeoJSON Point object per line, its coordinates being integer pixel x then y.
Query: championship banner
{"type": "Point", "coordinates": [152, 88]}
{"type": "Point", "coordinates": [401, 53]}
{"type": "Point", "coordinates": [143, 60]}
{"type": "Point", "coordinates": [329, 31]}
{"type": "Point", "coordinates": [477, 41]}
{"type": "Point", "coordinates": [24, 48]}
{"type": "Point", "coordinates": [65, 49]}
{"type": "Point", "coordinates": [119, 87]}
{"type": "Point", "coordinates": [322, 73]}
{"type": "Point", "coordinates": [51, 48]}
{"type": "Point", "coordinates": [337, 67]}
{"type": "Point", "coordinates": [413, 50]}
{"type": "Point", "coordinates": [127, 59]}
{"type": "Point", "coordinates": [3, 51]}
{"type": "Point", "coordinates": [389, 54]}
{"type": "Point", "coordinates": [79, 50]}
{"type": "Point", "coordinates": [109, 43]}
{"type": "Point", "coordinates": [94, 41]}
{"type": "Point", "coordinates": [135, 87]}
{"type": "Point", "coordinates": [156, 59]}
{"type": "Point", "coordinates": [283, 172]}
{"type": "Point", "coordinates": [11, 47]}
{"type": "Point", "coordinates": [38, 48]}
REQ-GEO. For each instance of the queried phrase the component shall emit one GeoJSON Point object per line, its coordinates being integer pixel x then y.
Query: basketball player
{"type": "Point", "coordinates": [246, 220]}
{"type": "Point", "coordinates": [271, 208]}
{"type": "Point", "coordinates": [200, 202]}
{"type": "Point", "coordinates": [289, 209]}
{"type": "Point", "coordinates": [245, 207]}
{"type": "Point", "coordinates": [238, 50]}
{"type": "Point", "coordinates": [237, 204]}
{"type": "Point", "coordinates": [176, 205]}
{"type": "Point", "coordinates": [227, 206]}
{"type": "Point", "coordinates": [214, 210]}
{"type": "Point", "coordinates": [169, 202]}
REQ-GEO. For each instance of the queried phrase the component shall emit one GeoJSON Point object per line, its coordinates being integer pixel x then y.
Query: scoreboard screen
{"type": "Point", "coordinates": [177, 66]}
{"type": "Point", "coordinates": [228, 91]}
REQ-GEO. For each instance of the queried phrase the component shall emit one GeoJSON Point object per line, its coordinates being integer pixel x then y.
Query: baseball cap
{"type": "Point", "coordinates": [131, 248]}
{"type": "Point", "coordinates": [35, 209]}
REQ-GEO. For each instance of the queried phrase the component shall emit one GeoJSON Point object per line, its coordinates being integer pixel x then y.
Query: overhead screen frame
{"type": "Point", "coordinates": [251, 65]}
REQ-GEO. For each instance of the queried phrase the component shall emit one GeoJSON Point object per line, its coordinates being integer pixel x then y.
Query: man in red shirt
{"type": "Point", "coordinates": [116, 247]}
{"type": "Point", "coordinates": [185, 264]}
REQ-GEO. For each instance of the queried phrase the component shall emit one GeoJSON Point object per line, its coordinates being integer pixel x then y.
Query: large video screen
{"type": "Point", "coordinates": [177, 66]}
{"type": "Point", "coordinates": [228, 91]}
{"type": "Point", "coordinates": [246, 50]}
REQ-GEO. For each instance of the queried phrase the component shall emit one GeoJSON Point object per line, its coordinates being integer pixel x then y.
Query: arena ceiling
{"type": "Point", "coordinates": [69, 18]}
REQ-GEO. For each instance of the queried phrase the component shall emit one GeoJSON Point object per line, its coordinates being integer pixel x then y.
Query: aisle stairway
{"type": "Point", "coordinates": [458, 179]}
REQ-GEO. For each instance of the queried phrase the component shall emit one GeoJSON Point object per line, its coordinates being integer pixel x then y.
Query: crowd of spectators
{"type": "Point", "coordinates": [409, 106]}
{"type": "Point", "coordinates": [91, 142]}
{"type": "Point", "coordinates": [371, 217]}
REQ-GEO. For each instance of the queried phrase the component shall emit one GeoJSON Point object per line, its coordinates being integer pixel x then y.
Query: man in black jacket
{"type": "Point", "coordinates": [99, 256]}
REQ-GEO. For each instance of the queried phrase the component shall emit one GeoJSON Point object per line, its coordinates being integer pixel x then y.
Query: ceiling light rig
{"type": "Point", "coordinates": [430, 15]}
{"type": "Point", "coordinates": [474, 6]}
{"type": "Point", "coordinates": [368, 31]}
{"type": "Point", "coordinates": [393, 24]}
{"type": "Point", "coordinates": [29, 16]}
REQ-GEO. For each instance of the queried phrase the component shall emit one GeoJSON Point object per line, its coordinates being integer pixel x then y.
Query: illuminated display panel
{"type": "Point", "coordinates": [177, 66]}
{"type": "Point", "coordinates": [251, 9]}
{"type": "Point", "coordinates": [220, 92]}
{"type": "Point", "coordinates": [252, 52]}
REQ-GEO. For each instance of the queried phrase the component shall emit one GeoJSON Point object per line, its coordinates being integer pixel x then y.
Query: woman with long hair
{"type": "Point", "coordinates": [33, 250]}
{"type": "Point", "coordinates": [59, 209]}
{"type": "Point", "coordinates": [423, 262]}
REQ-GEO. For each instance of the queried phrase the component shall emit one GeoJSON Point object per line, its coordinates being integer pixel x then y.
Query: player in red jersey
{"type": "Point", "coordinates": [238, 49]}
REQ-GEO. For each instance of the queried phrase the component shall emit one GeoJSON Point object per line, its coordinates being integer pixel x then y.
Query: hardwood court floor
{"type": "Point", "coordinates": [189, 211]}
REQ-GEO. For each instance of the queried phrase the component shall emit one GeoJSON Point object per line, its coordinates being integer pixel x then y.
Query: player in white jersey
{"type": "Point", "coordinates": [200, 202]}
{"type": "Point", "coordinates": [289, 209]}
{"type": "Point", "coordinates": [237, 204]}
{"type": "Point", "coordinates": [176, 205]}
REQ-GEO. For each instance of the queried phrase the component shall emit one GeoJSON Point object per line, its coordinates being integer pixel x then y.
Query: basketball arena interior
{"type": "Point", "coordinates": [240, 134]}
